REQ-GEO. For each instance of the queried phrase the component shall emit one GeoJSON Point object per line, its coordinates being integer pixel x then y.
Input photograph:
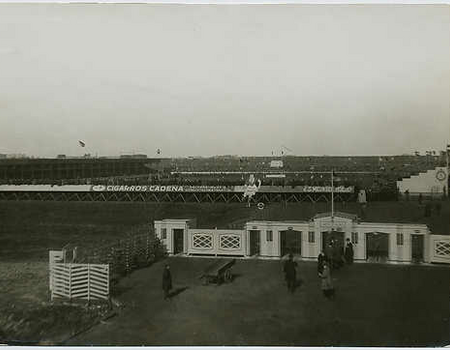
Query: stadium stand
{"type": "Point", "coordinates": [376, 174]}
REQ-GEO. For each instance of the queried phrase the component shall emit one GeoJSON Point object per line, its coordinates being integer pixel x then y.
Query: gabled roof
{"type": "Point", "coordinates": [337, 214]}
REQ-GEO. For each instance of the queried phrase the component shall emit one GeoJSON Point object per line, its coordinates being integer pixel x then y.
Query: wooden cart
{"type": "Point", "coordinates": [219, 272]}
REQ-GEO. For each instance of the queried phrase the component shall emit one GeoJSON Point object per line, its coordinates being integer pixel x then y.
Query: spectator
{"type": "Point", "coordinates": [167, 281]}
{"type": "Point", "coordinates": [327, 283]}
{"type": "Point", "coordinates": [320, 262]}
{"type": "Point", "coordinates": [349, 252]}
{"type": "Point", "coordinates": [290, 273]}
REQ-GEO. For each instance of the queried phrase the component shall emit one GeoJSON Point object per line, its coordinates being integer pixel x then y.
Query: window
{"type": "Point", "coordinates": [311, 237]}
{"type": "Point", "coordinates": [269, 236]}
{"type": "Point", "coordinates": [163, 233]}
{"type": "Point", "coordinates": [399, 238]}
{"type": "Point", "coordinates": [355, 237]}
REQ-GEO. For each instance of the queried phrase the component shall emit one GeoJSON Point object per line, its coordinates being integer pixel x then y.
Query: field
{"type": "Point", "coordinates": [29, 229]}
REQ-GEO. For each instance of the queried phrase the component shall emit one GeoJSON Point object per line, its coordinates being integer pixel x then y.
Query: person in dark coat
{"type": "Point", "coordinates": [349, 252]}
{"type": "Point", "coordinates": [320, 261]}
{"type": "Point", "coordinates": [290, 273]}
{"type": "Point", "coordinates": [166, 281]}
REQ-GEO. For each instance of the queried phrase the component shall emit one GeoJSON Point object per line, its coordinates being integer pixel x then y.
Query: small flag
{"type": "Point", "coordinates": [82, 144]}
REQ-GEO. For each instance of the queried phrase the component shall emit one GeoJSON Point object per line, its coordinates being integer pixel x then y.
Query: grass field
{"type": "Point", "coordinates": [29, 229]}
{"type": "Point", "coordinates": [375, 305]}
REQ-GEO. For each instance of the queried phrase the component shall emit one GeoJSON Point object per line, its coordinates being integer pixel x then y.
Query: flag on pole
{"type": "Point", "coordinates": [81, 143]}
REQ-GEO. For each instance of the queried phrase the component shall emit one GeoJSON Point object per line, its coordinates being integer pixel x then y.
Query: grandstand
{"type": "Point", "coordinates": [72, 170]}
{"type": "Point", "coordinates": [378, 175]}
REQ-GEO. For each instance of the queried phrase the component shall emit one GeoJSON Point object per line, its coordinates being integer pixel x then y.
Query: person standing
{"type": "Point", "coordinates": [329, 253]}
{"type": "Point", "coordinates": [166, 281]}
{"type": "Point", "coordinates": [349, 252]}
{"type": "Point", "coordinates": [327, 283]}
{"type": "Point", "coordinates": [320, 261]}
{"type": "Point", "coordinates": [290, 273]}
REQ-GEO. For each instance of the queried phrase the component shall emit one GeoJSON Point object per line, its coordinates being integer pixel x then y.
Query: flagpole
{"type": "Point", "coordinates": [332, 195]}
{"type": "Point", "coordinates": [447, 151]}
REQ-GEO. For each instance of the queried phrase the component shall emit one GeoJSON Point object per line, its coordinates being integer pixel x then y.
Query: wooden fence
{"type": "Point", "coordinates": [79, 281]}
{"type": "Point", "coordinates": [88, 274]}
{"type": "Point", "coordinates": [125, 255]}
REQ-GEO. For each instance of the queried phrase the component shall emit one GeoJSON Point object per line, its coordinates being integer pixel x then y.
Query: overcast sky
{"type": "Point", "coordinates": [236, 79]}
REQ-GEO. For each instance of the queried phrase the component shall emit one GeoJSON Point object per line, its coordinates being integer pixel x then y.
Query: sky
{"type": "Point", "coordinates": [224, 79]}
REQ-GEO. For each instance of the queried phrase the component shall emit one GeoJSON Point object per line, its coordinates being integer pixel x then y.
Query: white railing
{"type": "Point", "coordinates": [440, 249]}
{"type": "Point", "coordinates": [216, 242]}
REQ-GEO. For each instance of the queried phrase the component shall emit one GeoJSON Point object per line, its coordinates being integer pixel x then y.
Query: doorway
{"type": "Point", "coordinates": [291, 242]}
{"type": "Point", "coordinates": [377, 247]}
{"type": "Point", "coordinates": [178, 241]}
{"type": "Point", "coordinates": [255, 242]}
{"type": "Point", "coordinates": [417, 248]}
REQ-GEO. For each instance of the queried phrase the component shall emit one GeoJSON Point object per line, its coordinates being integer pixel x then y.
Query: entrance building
{"type": "Point", "coordinates": [372, 242]}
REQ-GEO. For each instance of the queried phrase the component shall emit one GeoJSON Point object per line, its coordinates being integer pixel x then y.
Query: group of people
{"type": "Point", "coordinates": [326, 262]}
{"type": "Point", "coordinates": [333, 258]}
{"type": "Point", "coordinates": [335, 255]}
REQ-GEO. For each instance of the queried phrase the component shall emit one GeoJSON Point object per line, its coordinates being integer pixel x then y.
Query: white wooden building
{"type": "Point", "coordinates": [388, 242]}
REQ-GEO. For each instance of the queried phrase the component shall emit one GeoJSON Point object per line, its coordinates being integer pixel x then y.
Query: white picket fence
{"type": "Point", "coordinates": [77, 281]}
{"type": "Point", "coordinates": [440, 249]}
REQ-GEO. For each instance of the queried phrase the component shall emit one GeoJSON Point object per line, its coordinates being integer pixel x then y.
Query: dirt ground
{"type": "Point", "coordinates": [376, 305]}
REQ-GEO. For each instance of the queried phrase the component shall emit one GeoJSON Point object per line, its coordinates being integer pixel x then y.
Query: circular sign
{"type": "Point", "coordinates": [260, 205]}
{"type": "Point", "coordinates": [98, 188]}
{"type": "Point", "coordinates": [441, 175]}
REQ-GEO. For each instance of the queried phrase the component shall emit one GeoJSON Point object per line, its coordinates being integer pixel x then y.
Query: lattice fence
{"type": "Point", "coordinates": [440, 249]}
{"type": "Point", "coordinates": [202, 241]}
{"type": "Point", "coordinates": [216, 242]}
{"type": "Point", "coordinates": [230, 242]}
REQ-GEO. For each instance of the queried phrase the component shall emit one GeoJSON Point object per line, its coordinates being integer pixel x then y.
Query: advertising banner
{"type": "Point", "coordinates": [233, 189]}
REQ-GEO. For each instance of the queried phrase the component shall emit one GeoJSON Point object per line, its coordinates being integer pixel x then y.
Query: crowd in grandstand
{"type": "Point", "coordinates": [378, 175]}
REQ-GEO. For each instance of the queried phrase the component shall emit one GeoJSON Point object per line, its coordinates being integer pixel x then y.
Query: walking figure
{"type": "Point", "coordinates": [290, 273]}
{"type": "Point", "coordinates": [167, 281]}
{"type": "Point", "coordinates": [327, 283]}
